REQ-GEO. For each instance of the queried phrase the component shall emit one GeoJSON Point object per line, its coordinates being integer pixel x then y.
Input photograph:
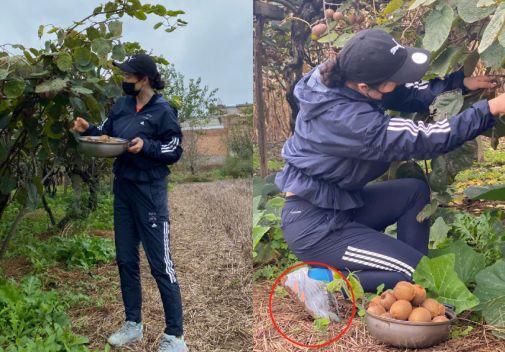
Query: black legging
{"type": "Point", "coordinates": [354, 240]}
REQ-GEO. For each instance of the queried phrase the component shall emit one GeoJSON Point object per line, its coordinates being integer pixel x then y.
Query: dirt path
{"type": "Point", "coordinates": [289, 314]}
{"type": "Point", "coordinates": [211, 247]}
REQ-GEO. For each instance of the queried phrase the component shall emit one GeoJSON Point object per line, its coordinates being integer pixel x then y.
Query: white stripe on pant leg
{"type": "Point", "coordinates": [378, 261]}
{"type": "Point", "coordinates": [354, 260]}
{"type": "Point", "coordinates": [168, 262]}
{"type": "Point", "coordinates": [382, 256]}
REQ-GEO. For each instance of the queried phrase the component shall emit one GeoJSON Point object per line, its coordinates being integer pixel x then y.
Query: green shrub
{"type": "Point", "coordinates": [33, 320]}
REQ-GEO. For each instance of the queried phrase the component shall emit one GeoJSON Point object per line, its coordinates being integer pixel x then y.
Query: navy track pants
{"type": "Point", "coordinates": [141, 216]}
{"type": "Point", "coordinates": [353, 241]}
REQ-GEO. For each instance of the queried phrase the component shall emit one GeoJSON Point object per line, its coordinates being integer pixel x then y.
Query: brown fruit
{"type": "Point", "coordinates": [318, 30]}
{"type": "Point", "coordinates": [440, 319]}
{"type": "Point", "coordinates": [375, 301]}
{"type": "Point", "coordinates": [441, 310]}
{"type": "Point", "coordinates": [404, 290]}
{"type": "Point", "coordinates": [386, 315]}
{"type": "Point", "coordinates": [359, 19]}
{"type": "Point", "coordinates": [351, 18]}
{"type": "Point", "coordinates": [420, 295]}
{"type": "Point", "coordinates": [420, 314]}
{"type": "Point", "coordinates": [432, 305]}
{"type": "Point", "coordinates": [401, 309]}
{"type": "Point", "coordinates": [387, 299]}
{"type": "Point", "coordinates": [328, 13]}
{"type": "Point", "coordinates": [337, 16]}
{"type": "Point", "coordinates": [376, 309]}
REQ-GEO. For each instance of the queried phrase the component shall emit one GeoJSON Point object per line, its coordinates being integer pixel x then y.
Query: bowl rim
{"type": "Point", "coordinates": [452, 316]}
{"type": "Point", "coordinates": [83, 140]}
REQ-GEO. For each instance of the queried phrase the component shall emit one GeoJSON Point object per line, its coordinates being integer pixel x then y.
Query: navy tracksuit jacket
{"type": "Point", "coordinates": [140, 201]}
{"type": "Point", "coordinates": [342, 141]}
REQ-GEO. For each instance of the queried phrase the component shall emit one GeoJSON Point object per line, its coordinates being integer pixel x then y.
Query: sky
{"type": "Point", "coordinates": [216, 45]}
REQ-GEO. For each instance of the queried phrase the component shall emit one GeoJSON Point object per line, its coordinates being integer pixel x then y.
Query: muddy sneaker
{"type": "Point", "coordinates": [128, 333]}
{"type": "Point", "coordinates": [170, 343]}
{"type": "Point", "coordinates": [312, 294]}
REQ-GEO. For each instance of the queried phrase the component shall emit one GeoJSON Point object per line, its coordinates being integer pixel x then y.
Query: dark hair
{"type": "Point", "coordinates": [155, 82]}
{"type": "Point", "coordinates": [331, 76]}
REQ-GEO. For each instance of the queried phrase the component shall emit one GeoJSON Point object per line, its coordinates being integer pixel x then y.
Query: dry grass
{"type": "Point", "coordinates": [211, 225]}
{"type": "Point", "coordinates": [291, 316]}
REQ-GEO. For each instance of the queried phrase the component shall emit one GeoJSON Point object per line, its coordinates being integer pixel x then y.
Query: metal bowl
{"type": "Point", "coordinates": [92, 146]}
{"type": "Point", "coordinates": [407, 334]}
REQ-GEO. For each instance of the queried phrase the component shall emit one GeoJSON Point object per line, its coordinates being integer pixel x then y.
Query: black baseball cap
{"type": "Point", "coordinates": [140, 64]}
{"type": "Point", "coordinates": [373, 56]}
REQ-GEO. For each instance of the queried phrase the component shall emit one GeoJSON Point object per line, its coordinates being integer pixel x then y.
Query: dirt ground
{"type": "Point", "coordinates": [211, 247]}
{"type": "Point", "coordinates": [293, 319]}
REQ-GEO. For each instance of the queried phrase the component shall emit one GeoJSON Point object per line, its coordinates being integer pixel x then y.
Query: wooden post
{"type": "Point", "coordinates": [262, 11]}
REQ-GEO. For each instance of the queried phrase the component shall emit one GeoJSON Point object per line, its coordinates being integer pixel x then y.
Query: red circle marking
{"type": "Point", "coordinates": [294, 342]}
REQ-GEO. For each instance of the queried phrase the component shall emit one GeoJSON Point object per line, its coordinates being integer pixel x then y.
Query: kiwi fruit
{"type": "Point", "coordinates": [401, 309]}
{"type": "Point", "coordinates": [420, 314]}
{"type": "Point", "coordinates": [376, 309]}
{"type": "Point", "coordinates": [420, 295]}
{"type": "Point", "coordinates": [337, 16]}
{"type": "Point", "coordinates": [318, 30]}
{"type": "Point", "coordinates": [375, 301]}
{"type": "Point", "coordinates": [440, 319]}
{"type": "Point", "coordinates": [386, 315]}
{"type": "Point", "coordinates": [404, 290]}
{"type": "Point", "coordinates": [432, 305]}
{"type": "Point", "coordinates": [441, 310]}
{"type": "Point", "coordinates": [351, 18]}
{"type": "Point", "coordinates": [328, 13]}
{"type": "Point", "coordinates": [387, 299]}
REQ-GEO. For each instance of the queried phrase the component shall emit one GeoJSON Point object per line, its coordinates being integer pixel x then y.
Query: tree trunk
{"type": "Point", "coordinates": [259, 102]}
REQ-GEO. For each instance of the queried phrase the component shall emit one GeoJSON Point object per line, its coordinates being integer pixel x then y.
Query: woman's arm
{"type": "Point", "coordinates": [417, 97]}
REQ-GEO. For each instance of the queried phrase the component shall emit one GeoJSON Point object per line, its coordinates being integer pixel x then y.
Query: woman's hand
{"type": "Point", "coordinates": [497, 105]}
{"type": "Point", "coordinates": [137, 144]}
{"type": "Point", "coordinates": [480, 82]}
{"type": "Point", "coordinates": [80, 125]}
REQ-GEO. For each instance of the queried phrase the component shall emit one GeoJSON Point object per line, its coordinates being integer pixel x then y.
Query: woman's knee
{"type": "Point", "coordinates": [420, 188]}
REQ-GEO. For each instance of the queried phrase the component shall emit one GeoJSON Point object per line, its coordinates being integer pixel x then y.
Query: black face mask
{"type": "Point", "coordinates": [129, 89]}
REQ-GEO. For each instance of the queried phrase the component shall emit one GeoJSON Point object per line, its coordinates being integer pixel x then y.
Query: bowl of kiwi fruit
{"type": "Point", "coordinates": [405, 317]}
{"type": "Point", "coordinates": [103, 146]}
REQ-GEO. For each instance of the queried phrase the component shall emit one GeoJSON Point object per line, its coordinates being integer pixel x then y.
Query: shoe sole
{"type": "Point", "coordinates": [127, 343]}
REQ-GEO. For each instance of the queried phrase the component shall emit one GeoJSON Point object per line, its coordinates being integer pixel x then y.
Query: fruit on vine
{"type": "Point", "coordinates": [401, 309]}
{"type": "Point", "coordinates": [328, 13]}
{"type": "Point", "coordinates": [375, 301]}
{"type": "Point", "coordinates": [337, 16]}
{"type": "Point", "coordinates": [376, 309]}
{"type": "Point", "coordinates": [433, 306]}
{"type": "Point", "coordinates": [420, 295]}
{"type": "Point", "coordinates": [404, 290]}
{"type": "Point", "coordinates": [440, 319]}
{"type": "Point", "coordinates": [420, 314]}
{"type": "Point", "coordinates": [351, 18]}
{"type": "Point", "coordinates": [387, 299]}
{"type": "Point", "coordinates": [318, 30]}
{"type": "Point", "coordinates": [441, 309]}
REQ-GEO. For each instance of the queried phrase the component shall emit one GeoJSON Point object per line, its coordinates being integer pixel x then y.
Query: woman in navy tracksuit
{"type": "Point", "coordinates": [140, 195]}
{"type": "Point", "coordinates": [344, 139]}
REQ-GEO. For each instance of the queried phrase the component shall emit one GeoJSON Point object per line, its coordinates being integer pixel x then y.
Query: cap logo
{"type": "Point", "coordinates": [396, 47]}
{"type": "Point", "coordinates": [419, 58]}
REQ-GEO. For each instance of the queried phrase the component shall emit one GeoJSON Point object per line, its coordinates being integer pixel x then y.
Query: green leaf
{"type": "Point", "coordinates": [14, 88]}
{"type": "Point", "coordinates": [469, 12]}
{"type": "Point", "coordinates": [257, 234]}
{"type": "Point", "coordinates": [82, 56]}
{"type": "Point", "coordinates": [438, 276]}
{"type": "Point", "coordinates": [321, 324]}
{"type": "Point", "coordinates": [329, 38]}
{"type": "Point", "coordinates": [491, 292]}
{"type": "Point", "coordinates": [158, 25]}
{"type": "Point", "coordinates": [496, 192]}
{"type": "Point", "coordinates": [116, 28]}
{"type": "Point", "coordinates": [447, 104]}
{"type": "Point", "coordinates": [446, 60]}
{"type": "Point", "coordinates": [486, 3]}
{"type": "Point", "coordinates": [64, 62]}
{"type": "Point", "coordinates": [467, 261]}
{"type": "Point", "coordinates": [438, 232]}
{"type": "Point", "coordinates": [40, 32]}
{"type": "Point", "coordinates": [140, 15]}
{"type": "Point", "coordinates": [392, 6]}
{"type": "Point", "coordinates": [54, 85]}
{"type": "Point", "coordinates": [438, 26]}
{"type": "Point", "coordinates": [7, 184]}
{"type": "Point", "coordinates": [118, 52]}
{"type": "Point", "coordinates": [342, 39]}
{"type": "Point", "coordinates": [81, 90]}
{"type": "Point", "coordinates": [493, 56]}
{"type": "Point", "coordinates": [418, 3]}
{"type": "Point", "coordinates": [358, 290]}
{"type": "Point", "coordinates": [493, 28]}
{"type": "Point", "coordinates": [3, 74]}
{"type": "Point", "coordinates": [101, 46]}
